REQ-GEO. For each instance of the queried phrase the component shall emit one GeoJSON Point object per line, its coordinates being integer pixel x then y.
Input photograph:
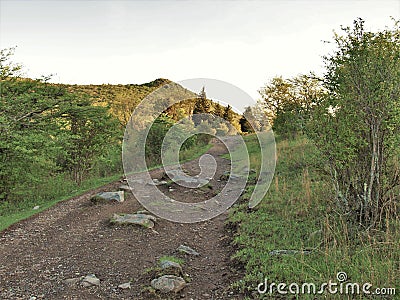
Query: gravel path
{"type": "Point", "coordinates": [74, 238]}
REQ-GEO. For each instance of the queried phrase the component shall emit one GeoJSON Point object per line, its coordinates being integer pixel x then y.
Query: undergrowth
{"type": "Point", "coordinates": [298, 214]}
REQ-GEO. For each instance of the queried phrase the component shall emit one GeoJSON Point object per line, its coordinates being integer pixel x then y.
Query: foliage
{"type": "Point", "coordinates": [160, 127]}
{"type": "Point", "coordinates": [290, 101]}
{"type": "Point", "coordinates": [87, 131]}
{"type": "Point", "coordinates": [357, 125]}
{"type": "Point", "coordinates": [155, 137]}
{"type": "Point", "coordinates": [7, 67]}
{"type": "Point", "coordinates": [228, 114]}
{"type": "Point", "coordinates": [202, 108]}
{"type": "Point", "coordinates": [296, 215]}
{"type": "Point", "coordinates": [45, 130]}
{"type": "Point", "coordinates": [121, 99]}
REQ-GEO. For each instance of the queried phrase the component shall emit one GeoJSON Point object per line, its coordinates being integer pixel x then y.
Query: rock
{"type": "Point", "coordinates": [73, 280]}
{"type": "Point", "coordinates": [137, 219]}
{"type": "Point", "coordinates": [125, 188]}
{"type": "Point", "coordinates": [177, 176]}
{"type": "Point", "coordinates": [90, 280]}
{"type": "Point", "coordinates": [168, 283]}
{"type": "Point", "coordinates": [289, 252]}
{"type": "Point", "coordinates": [157, 182]}
{"type": "Point", "coordinates": [36, 207]}
{"type": "Point", "coordinates": [125, 286]}
{"type": "Point", "coordinates": [171, 267]}
{"type": "Point", "coordinates": [108, 197]}
{"type": "Point", "coordinates": [187, 250]}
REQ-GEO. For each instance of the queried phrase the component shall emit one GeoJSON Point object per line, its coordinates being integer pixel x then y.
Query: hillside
{"type": "Point", "coordinates": [122, 99]}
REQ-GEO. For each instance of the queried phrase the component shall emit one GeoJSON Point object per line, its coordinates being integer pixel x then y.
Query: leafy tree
{"type": "Point", "coordinates": [44, 130]}
{"type": "Point", "coordinates": [28, 109]}
{"type": "Point", "coordinates": [289, 101]}
{"type": "Point", "coordinates": [155, 137]}
{"type": "Point", "coordinates": [87, 132]}
{"type": "Point", "coordinates": [7, 67]}
{"type": "Point", "coordinates": [357, 125]}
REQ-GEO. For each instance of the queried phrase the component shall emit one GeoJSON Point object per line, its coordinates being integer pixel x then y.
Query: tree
{"type": "Point", "coordinates": [87, 132]}
{"type": "Point", "coordinates": [27, 129]}
{"type": "Point", "coordinates": [202, 94]}
{"type": "Point", "coordinates": [289, 101]}
{"type": "Point", "coordinates": [218, 110]}
{"type": "Point", "coordinates": [202, 106]}
{"type": "Point", "coordinates": [7, 67]}
{"type": "Point", "coordinates": [357, 125]}
{"type": "Point", "coordinates": [228, 114]}
{"type": "Point", "coordinates": [45, 130]}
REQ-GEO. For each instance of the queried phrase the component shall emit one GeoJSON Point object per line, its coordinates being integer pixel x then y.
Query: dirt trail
{"type": "Point", "coordinates": [74, 238]}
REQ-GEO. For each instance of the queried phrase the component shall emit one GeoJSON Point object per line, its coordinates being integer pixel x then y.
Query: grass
{"type": "Point", "coordinates": [45, 196]}
{"type": "Point", "coordinates": [172, 258]}
{"type": "Point", "coordinates": [190, 154]}
{"type": "Point", "coordinates": [297, 214]}
{"type": "Point", "coordinates": [60, 188]}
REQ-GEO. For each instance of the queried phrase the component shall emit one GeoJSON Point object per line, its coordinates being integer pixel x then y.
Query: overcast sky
{"type": "Point", "coordinates": [245, 43]}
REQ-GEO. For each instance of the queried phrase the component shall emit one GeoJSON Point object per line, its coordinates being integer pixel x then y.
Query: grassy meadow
{"type": "Point", "coordinates": [298, 214]}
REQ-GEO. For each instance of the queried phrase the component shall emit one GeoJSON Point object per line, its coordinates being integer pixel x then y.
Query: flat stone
{"type": "Point", "coordinates": [187, 250]}
{"type": "Point", "coordinates": [90, 280]}
{"type": "Point", "coordinates": [176, 175]}
{"type": "Point", "coordinates": [134, 219]}
{"type": "Point", "coordinates": [108, 197]}
{"type": "Point", "coordinates": [168, 283]}
{"type": "Point", "coordinates": [125, 286]}
{"type": "Point", "coordinates": [36, 207]}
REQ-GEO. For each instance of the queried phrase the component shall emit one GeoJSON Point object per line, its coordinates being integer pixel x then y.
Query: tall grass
{"type": "Point", "coordinates": [298, 214]}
